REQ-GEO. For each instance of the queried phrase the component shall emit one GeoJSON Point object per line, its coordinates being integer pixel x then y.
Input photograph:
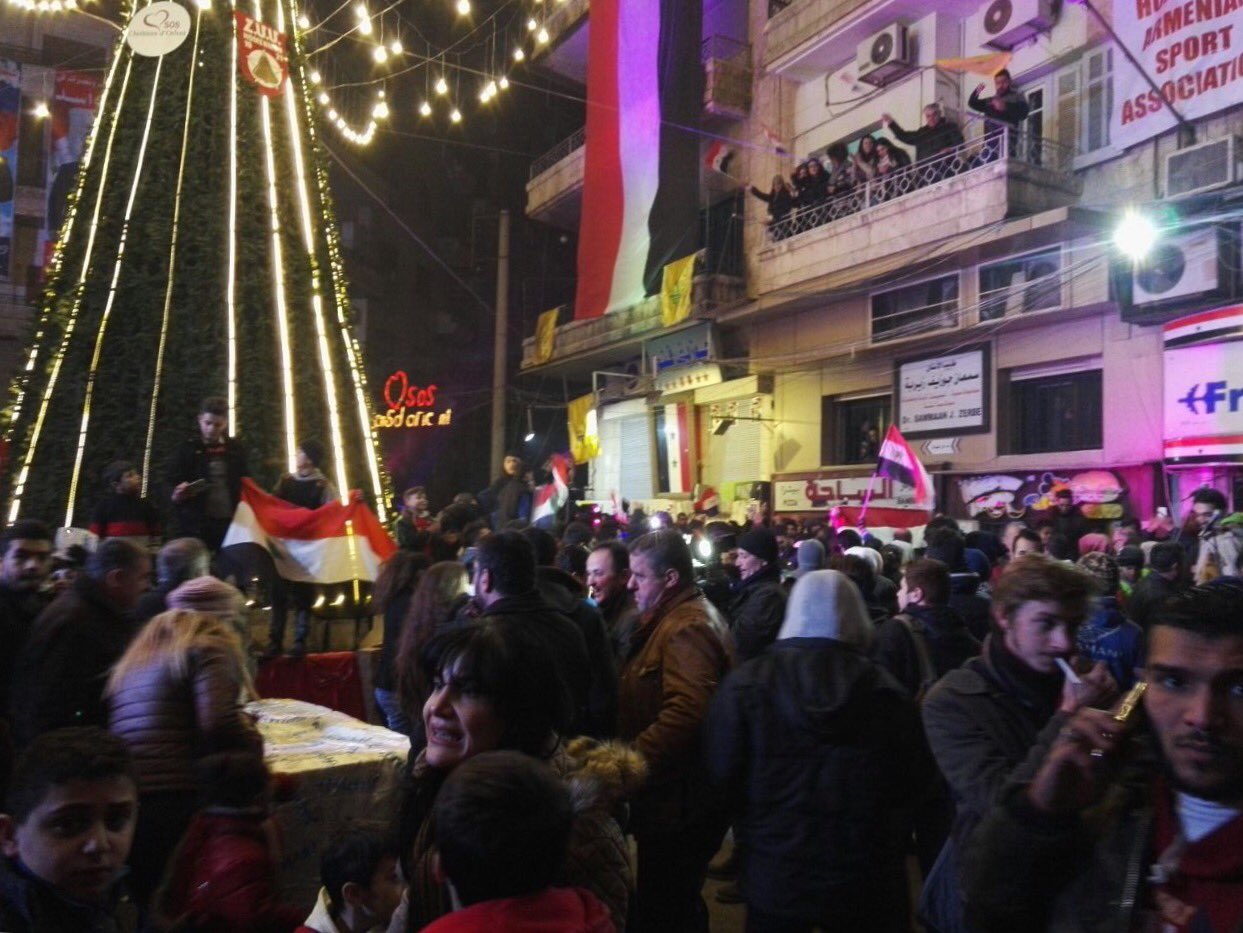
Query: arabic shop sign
{"type": "Point", "coordinates": [410, 406]}
{"type": "Point", "coordinates": [817, 492]}
{"type": "Point", "coordinates": [943, 395]}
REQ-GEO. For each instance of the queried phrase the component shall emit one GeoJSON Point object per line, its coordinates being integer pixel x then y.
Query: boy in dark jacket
{"type": "Point", "coordinates": [66, 833]}
{"type": "Point", "coordinates": [124, 512]}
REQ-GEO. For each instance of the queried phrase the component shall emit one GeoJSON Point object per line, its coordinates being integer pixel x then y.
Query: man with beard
{"type": "Point", "coordinates": [1131, 828]}
{"type": "Point", "coordinates": [608, 576]}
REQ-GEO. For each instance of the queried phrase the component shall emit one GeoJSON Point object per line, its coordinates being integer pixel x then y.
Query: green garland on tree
{"type": "Point", "coordinates": [119, 359]}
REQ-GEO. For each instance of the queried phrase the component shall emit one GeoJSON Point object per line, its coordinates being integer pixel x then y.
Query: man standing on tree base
{"type": "Point", "coordinates": [206, 476]}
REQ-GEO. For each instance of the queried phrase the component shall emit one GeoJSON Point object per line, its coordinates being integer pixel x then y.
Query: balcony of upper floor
{"type": "Point", "coordinates": [555, 183]}
{"type": "Point", "coordinates": [581, 346]}
{"type": "Point", "coordinates": [895, 219]}
{"type": "Point", "coordinates": [560, 38]}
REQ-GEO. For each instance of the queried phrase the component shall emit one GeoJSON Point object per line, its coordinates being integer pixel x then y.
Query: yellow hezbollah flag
{"type": "Point", "coordinates": [677, 283]}
{"type": "Point", "coordinates": [584, 442]}
{"type": "Point", "coordinates": [545, 335]}
{"type": "Point", "coordinates": [988, 64]}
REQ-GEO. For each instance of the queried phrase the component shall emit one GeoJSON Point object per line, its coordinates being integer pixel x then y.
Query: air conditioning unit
{"type": "Point", "coordinates": [1202, 167]}
{"type": "Point", "coordinates": [1004, 24]}
{"type": "Point", "coordinates": [884, 57]}
{"type": "Point", "coordinates": [1180, 267]}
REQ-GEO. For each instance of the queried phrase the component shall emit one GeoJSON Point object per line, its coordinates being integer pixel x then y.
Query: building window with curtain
{"type": "Point", "coordinates": [852, 428]}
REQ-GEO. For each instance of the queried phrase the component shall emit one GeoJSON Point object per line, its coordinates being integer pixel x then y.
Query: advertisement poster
{"type": "Point", "coordinates": [1100, 494]}
{"type": "Point", "coordinates": [943, 395]}
{"type": "Point", "coordinates": [10, 122]}
{"type": "Point", "coordinates": [1203, 400]}
{"type": "Point", "coordinates": [1191, 51]}
{"type": "Point", "coordinates": [261, 54]}
{"type": "Point", "coordinates": [73, 112]}
{"type": "Point", "coordinates": [892, 503]}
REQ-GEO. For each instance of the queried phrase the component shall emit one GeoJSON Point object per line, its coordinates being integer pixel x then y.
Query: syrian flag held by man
{"type": "Point", "coordinates": [898, 462]}
{"type": "Point", "coordinates": [641, 165]}
{"type": "Point", "coordinates": [332, 544]}
{"type": "Point", "coordinates": [552, 496]}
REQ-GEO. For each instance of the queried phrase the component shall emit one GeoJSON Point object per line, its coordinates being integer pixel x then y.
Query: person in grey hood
{"type": "Point", "coordinates": [826, 851]}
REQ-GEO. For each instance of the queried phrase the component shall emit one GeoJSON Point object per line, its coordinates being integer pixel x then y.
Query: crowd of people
{"type": "Point", "coordinates": [857, 734]}
{"type": "Point", "coordinates": [799, 203]}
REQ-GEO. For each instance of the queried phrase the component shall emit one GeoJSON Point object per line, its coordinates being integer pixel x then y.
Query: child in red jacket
{"type": "Point", "coordinates": [223, 873]}
{"type": "Point", "coordinates": [502, 826]}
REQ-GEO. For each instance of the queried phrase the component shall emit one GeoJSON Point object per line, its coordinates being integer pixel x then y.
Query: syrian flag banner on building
{"type": "Point", "coordinates": [550, 497]}
{"type": "Point", "coordinates": [898, 462]}
{"type": "Point", "coordinates": [641, 191]}
{"type": "Point", "coordinates": [332, 544]}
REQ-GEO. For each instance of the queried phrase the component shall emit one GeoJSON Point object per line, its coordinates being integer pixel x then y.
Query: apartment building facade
{"type": "Point", "coordinates": [976, 300]}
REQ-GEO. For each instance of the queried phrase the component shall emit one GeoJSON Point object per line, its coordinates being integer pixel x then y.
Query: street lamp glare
{"type": "Point", "coordinates": [1135, 235]}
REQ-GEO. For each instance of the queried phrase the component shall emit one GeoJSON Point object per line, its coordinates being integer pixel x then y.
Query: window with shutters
{"type": "Point", "coordinates": [1084, 94]}
{"type": "Point", "coordinates": [1047, 413]}
{"type": "Point", "coordinates": [915, 309]}
{"type": "Point", "coordinates": [1021, 284]}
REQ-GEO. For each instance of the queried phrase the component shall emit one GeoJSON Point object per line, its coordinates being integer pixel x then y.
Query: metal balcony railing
{"type": "Point", "coordinates": [558, 152]}
{"type": "Point", "coordinates": [972, 156]}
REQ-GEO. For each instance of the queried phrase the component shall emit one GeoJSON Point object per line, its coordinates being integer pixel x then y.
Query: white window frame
{"type": "Point", "coordinates": [888, 340]}
{"type": "Point", "coordinates": [1078, 72]}
{"type": "Point", "coordinates": [982, 296]}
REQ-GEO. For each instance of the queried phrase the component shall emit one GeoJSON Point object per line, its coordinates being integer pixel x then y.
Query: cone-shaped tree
{"type": "Point", "coordinates": [199, 257]}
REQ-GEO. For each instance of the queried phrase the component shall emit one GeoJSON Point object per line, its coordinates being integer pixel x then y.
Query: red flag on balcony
{"type": "Point", "coordinates": [641, 188]}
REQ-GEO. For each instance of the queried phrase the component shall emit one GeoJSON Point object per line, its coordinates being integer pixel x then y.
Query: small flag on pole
{"type": "Point", "coordinates": [898, 462]}
{"type": "Point", "coordinates": [775, 141]}
{"type": "Point", "coordinates": [552, 496]}
{"type": "Point", "coordinates": [718, 157]}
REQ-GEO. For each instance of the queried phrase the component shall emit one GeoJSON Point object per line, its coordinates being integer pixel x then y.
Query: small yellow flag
{"type": "Point", "coordinates": [579, 415]}
{"type": "Point", "coordinates": [676, 286]}
{"type": "Point", "coordinates": [987, 64]}
{"type": "Point", "coordinates": [546, 335]}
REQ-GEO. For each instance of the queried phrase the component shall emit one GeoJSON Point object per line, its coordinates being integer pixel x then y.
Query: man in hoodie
{"type": "Point", "coordinates": [946, 545]}
{"type": "Point", "coordinates": [568, 596]}
{"type": "Point", "coordinates": [814, 703]}
{"type": "Point", "coordinates": [759, 603]}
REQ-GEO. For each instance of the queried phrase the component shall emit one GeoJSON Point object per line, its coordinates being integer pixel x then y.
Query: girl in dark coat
{"type": "Point", "coordinates": [780, 199]}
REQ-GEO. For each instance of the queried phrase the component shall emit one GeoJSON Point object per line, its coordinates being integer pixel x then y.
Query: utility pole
{"type": "Point", "coordinates": [499, 348]}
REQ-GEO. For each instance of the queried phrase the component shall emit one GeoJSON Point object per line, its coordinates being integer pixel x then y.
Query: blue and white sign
{"type": "Point", "coordinates": [1204, 400]}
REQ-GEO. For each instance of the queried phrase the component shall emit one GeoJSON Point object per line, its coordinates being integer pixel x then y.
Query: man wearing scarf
{"type": "Point", "coordinates": [994, 718]}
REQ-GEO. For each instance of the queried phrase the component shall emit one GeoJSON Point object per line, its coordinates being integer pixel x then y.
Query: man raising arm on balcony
{"type": "Point", "coordinates": [930, 140]}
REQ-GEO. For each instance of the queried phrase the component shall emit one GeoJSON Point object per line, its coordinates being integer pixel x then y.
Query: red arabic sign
{"type": "Point", "coordinates": [261, 54]}
{"type": "Point", "coordinates": [400, 394]}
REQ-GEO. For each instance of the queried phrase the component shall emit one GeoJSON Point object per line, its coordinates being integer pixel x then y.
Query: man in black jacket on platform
{"type": "Point", "coordinates": [930, 140]}
{"type": "Point", "coordinates": [206, 476]}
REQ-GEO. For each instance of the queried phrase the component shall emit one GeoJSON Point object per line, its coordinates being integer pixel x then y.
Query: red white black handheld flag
{"type": "Point", "coordinates": [898, 462]}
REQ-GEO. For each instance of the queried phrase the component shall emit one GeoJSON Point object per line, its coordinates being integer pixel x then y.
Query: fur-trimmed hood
{"type": "Point", "coordinates": [599, 774]}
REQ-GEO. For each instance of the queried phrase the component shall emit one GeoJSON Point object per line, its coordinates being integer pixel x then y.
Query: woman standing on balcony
{"type": "Point", "coordinates": [780, 200]}
{"type": "Point", "coordinates": [889, 159]}
{"type": "Point", "coordinates": [865, 158]}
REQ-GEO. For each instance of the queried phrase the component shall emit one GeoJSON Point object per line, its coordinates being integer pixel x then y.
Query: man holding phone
{"type": "Point", "coordinates": [1213, 550]}
{"type": "Point", "coordinates": [206, 476]}
{"type": "Point", "coordinates": [1132, 825]}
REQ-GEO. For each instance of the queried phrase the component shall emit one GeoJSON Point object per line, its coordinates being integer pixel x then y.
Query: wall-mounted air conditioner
{"type": "Point", "coordinates": [1201, 167]}
{"type": "Point", "coordinates": [1181, 266]}
{"type": "Point", "coordinates": [1004, 24]}
{"type": "Point", "coordinates": [884, 57]}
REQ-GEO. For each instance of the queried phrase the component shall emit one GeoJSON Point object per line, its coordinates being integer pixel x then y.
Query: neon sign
{"type": "Point", "coordinates": [410, 405]}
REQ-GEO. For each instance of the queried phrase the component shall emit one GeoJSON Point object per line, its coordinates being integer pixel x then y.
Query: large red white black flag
{"type": "Point", "coordinates": [641, 187]}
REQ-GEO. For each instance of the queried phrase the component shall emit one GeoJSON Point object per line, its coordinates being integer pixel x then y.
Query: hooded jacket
{"type": "Point", "coordinates": [819, 749]}
{"type": "Point", "coordinates": [568, 597]}
{"type": "Point", "coordinates": [556, 910]}
{"type": "Point", "coordinates": [600, 775]}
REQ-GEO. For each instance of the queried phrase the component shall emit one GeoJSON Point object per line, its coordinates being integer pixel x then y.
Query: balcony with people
{"type": "Point", "coordinates": [870, 200]}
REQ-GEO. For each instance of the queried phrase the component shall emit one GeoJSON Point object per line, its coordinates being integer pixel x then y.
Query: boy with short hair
{"type": "Point", "coordinates": [66, 833]}
{"type": "Point", "coordinates": [361, 888]}
{"type": "Point", "coordinates": [414, 518]}
{"type": "Point", "coordinates": [124, 512]}
{"type": "Point", "coordinates": [502, 824]}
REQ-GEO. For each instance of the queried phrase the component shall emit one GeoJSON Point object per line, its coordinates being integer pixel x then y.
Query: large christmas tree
{"type": "Point", "coordinates": [199, 257]}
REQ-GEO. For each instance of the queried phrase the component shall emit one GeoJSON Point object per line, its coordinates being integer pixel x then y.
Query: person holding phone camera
{"type": "Point", "coordinates": [206, 476]}
{"type": "Point", "coordinates": [1213, 549]}
{"type": "Point", "coordinates": [1132, 823]}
